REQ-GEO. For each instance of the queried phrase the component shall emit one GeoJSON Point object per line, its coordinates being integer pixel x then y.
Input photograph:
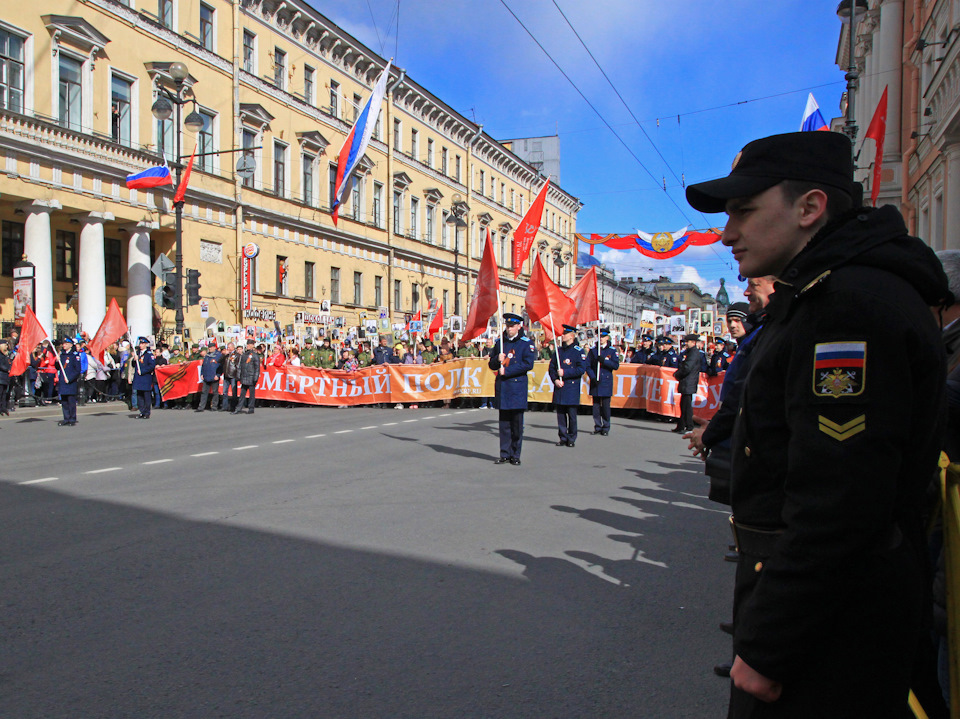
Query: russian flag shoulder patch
{"type": "Point", "coordinates": [839, 369]}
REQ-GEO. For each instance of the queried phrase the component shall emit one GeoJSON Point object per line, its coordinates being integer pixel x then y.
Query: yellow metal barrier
{"type": "Point", "coordinates": [950, 487]}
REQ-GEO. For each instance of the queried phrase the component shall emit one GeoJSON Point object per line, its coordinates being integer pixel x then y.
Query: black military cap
{"type": "Point", "coordinates": [512, 319]}
{"type": "Point", "coordinates": [691, 338]}
{"type": "Point", "coordinates": [820, 157]}
{"type": "Point", "coordinates": [666, 340]}
{"type": "Point", "coordinates": [569, 328]}
{"type": "Point", "coordinates": [604, 331]}
{"type": "Point", "coordinates": [68, 339]}
{"type": "Point", "coordinates": [738, 310]}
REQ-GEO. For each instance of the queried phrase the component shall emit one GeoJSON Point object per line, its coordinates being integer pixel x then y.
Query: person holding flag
{"type": "Point", "coordinates": [143, 366]}
{"type": "Point", "coordinates": [566, 368]}
{"type": "Point", "coordinates": [602, 360]}
{"type": "Point", "coordinates": [513, 357]}
{"type": "Point", "coordinates": [68, 377]}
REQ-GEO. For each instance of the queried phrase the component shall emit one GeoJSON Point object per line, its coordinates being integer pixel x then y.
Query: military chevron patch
{"type": "Point", "coordinates": [844, 431]}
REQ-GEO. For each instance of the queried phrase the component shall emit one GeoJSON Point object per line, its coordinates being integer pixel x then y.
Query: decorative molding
{"type": "Point", "coordinates": [255, 115]}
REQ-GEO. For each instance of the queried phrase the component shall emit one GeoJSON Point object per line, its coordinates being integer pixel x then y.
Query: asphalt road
{"type": "Point", "coordinates": [355, 563]}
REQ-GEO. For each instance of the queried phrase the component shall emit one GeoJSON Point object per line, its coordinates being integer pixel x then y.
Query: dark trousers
{"type": "Point", "coordinates": [567, 422]}
{"type": "Point", "coordinates": [511, 433]}
{"type": "Point", "coordinates": [246, 389]}
{"type": "Point", "coordinates": [144, 401]}
{"type": "Point", "coordinates": [230, 388]}
{"type": "Point", "coordinates": [601, 414]}
{"type": "Point", "coordinates": [209, 387]}
{"type": "Point", "coordinates": [68, 404]}
{"type": "Point", "coordinates": [686, 412]}
{"type": "Point", "coordinates": [3, 398]}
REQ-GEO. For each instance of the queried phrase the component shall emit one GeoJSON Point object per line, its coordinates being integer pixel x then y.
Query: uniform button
{"type": "Point", "coordinates": [758, 566]}
{"type": "Point", "coordinates": [746, 451]}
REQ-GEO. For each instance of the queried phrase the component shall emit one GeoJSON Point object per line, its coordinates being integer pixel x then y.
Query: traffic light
{"type": "Point", "coordinates": [193, 287]}
{"type": "Point", "coordinates": [168, 292]}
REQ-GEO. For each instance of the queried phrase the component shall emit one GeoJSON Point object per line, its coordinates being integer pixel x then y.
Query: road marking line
{"type": "Point", "coordinates": [284, 441]}
{"type": "Point", "coordinates": [204, 454]}
{"type": "Point", "coordinates": [105, 469]}
{"type": "Point", "coordinates": [158, 461]}
{"type": "Point", "coordinates": [314, 436]}
{"type": "Point", "coordinates": [344, 431]}
{"type": "Point", "coordinates": [432, 417]}
{"type": "Point", "coordinates": [372, 426]}
{"type": "Point", "coordinates": [407, 421]}
{"type": "Point", "coordinates": [246, 446]}
{"type": "Point", "coordinates": [38, 481]}
{"type": "Point", "coordinates": [443, 415]}
{"type": "Point", "coordinates": [389, 424]}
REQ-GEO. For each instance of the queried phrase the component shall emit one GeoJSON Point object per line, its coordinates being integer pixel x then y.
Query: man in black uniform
{"type": "Point", "coordinates": [69, 373]}
{"type": "Point", "coordinates": [512, 358]}
{"type": "Point", "coordinates": [688, 380]}
{"type": "Point", "coordinates": [602, 360]}
{"type": "Point", "coordinates": [829, 461]}
{"type": "Point", "coordinates": [566, 369]}
{"type": "Point", "coordinates": [644, 351]}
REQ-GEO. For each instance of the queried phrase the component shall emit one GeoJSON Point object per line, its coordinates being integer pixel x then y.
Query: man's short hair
{"type": "Point", "coordinates": [838, 201]}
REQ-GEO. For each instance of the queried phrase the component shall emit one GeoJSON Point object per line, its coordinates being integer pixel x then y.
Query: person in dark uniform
{"type": "Point", "coordinates": [513, 357]}
{"type": "Point", "coordinates": [143, 366]}
{"type": "Point", "coordinates": [69, 372]}
{"type": "Point", "coordinates": [829, 462]}
{"type": "Point", "coordinates": [602, 360]}
{"type": "Point", "coordinates": [566, 369]}
{"type": "Point", "coordinates": [644, 351]}
{"type": "Point", "coordinates": [688, 379]}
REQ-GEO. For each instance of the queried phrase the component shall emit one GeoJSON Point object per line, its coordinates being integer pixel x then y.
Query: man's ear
{"type": "Point", "coordinates": [812, 208]}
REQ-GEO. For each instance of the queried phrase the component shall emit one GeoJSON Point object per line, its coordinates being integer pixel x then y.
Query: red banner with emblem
{"type": "Point", "coordinates": [634, 386]}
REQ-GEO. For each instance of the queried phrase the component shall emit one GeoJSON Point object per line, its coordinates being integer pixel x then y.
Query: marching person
{"type": "Point", "coordinates": [829, 464]}
{"type": "Point", "coordinates": [512, 358]}
{"type": "Point", "coordinates": [688, 379]}
{"type": "Point", "coordinates": [143, 366]}
{"type": "Point", "coordinates": [249, 376]}
{"type": "Point", "coordinates": [566, 369]}
{"type": "Point", "coordinates": [5, 364]}
{"type": "Point", "coordinates": [602, 360]}
{"type": "Point", "coordinates": [327, 355]}
{"type": "Point", "coordinates": [69, 373]}
{"type": "Point", "coordinates": [211, 367]}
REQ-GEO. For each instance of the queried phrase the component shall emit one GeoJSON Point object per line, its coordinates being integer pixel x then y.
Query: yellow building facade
{"type": "Point", "coordinates": [276, 82]}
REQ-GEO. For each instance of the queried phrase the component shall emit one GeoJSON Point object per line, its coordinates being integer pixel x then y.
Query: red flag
{"type": "Point", "coordinates": [584, 296]}
{"type": "Point", "coordinates": [111, 329]}
{"type": "Point", "coordinates": [31, 334]}
{"type": "Point", "coordinates": [437, 324]}
{"type": "Point", "coordinates": [415, 318]}
{"type": "Point", "coordinates": [486, 295]}
{"type": "Point", "coordinates": [182, 187]}
{"type": "Point", "coordinates": [527, 231]}
{"type": "Point", "coordinates": [546, 302]}
{"type": "Point", "coordinates": [876, 132]}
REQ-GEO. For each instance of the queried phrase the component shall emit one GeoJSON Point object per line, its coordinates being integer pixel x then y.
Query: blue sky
{"type": "Point", "coordinates": [733, 70]}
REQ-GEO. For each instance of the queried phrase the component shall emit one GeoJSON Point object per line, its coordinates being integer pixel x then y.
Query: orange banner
{"type": "Point", "coordinates": [634, 386]}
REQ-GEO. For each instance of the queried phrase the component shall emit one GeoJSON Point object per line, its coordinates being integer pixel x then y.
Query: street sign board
{"type": "Point", "coordinates": [162, 265]}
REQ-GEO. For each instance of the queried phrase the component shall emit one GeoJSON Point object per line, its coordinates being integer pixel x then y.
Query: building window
{"type": "Point", "coordinates": [121, 92]}
{"type": "Point", "coordinates": [446, 302]}
{"type": "Point", "coordinates": [506, 261]}
{"type": "Point", "coordinates": [397, 202]}
{"type": "Point", "coordinates": [279, 169]}
{"type": "Point", "coordinates": [249, 142]}
{"type": "Point", "coordinates": [335, 98]}
{"type": "Point", "coordinates": [444, 229]}
{"type": "Point", "coordinates": [282, 272]}
{"type": "Point", "coordinates": [358, 288]}
{"type": "Point", "coordinates": [429, 153]}
{"type": "Point", "coordinates": [493, 188]}
{"type": "Point", "coordinates": [206, 27]}
{"type": "Point", "coordinates": [66, 256]}
{"type": "Point", "coordinates": [397, 294]}
{"type": "Point", "coordinates": [112, 261]}
{"type": "Point", "coordinates": [414, 144]}
{"type": "Point", "coordinates": [309, 270]}
{"type": "Point", "coordinates": [414, 296]}
{"type": "Point", "coordinates": [12, 246]}
{"type": "Point", "coordinates": [444, 158]}
{"type": "Point", "coordinates": [503, 193]}
{"type": "Point", "coordinates": [165, 13]}
{"type": "Point", "coordinates": [377, 204]}
{"type": "Point", "coordinates": [483, 180]}
{"type": "Point", "coordinates": [397, 135]}
{"type": "Point", "coordinates": [356, 106]}
{"type": "Point", "coordinates": [71, 106]}
{"type": "Point", "coordinates": [279, 68]}
{"type": "Point", "coordinates": [335, 285]}
{"type": "Point", "coordinates": [205, 143]}
{"type": "Point", "coordinates": [456, 168]}
{"type": "Point", "coordinates": [378, 290]}
{"type": "Point", "coordinates": [414, 216]}
{"type": "Point", "coordinates": [308, 73]}
{"type": "Point", "coordinates": [11, 71]}
{"type": "Point", "coordinates": [431, 216]}
{"type": "Point", "coordinates": [306, 181]}
{"type": "Point", "coordinates": [249, 52]}
{"type": "Point", "coordinates": [332, 181]}
{"type": "Point", "coordinates": [513, 200]}
{"type": "Point", "coordinates": [356, 202]}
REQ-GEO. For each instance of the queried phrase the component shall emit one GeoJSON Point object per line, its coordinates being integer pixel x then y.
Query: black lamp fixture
{"type": "Point", "coordinates": [457, 218]}
{"type": "Point", "coordinates": [850, 12]}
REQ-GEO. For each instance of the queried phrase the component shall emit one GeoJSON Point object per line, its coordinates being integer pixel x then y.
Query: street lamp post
{"type": "Point", "coordinates": [850, 11]}
{"type": "Point", "coordinates": [560, 258]}
{"type": "Point", "coordinates": [458, 211]}
{"type": "Point", "coordinates": [163, 109]}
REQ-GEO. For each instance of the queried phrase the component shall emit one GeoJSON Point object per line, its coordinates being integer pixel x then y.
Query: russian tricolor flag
{"type": "Point", "coordinates": [812, 118]}
{"type": "Point", "coordinates": [356, 143]}
{"type": "Point", "coordinates": [152, 177]}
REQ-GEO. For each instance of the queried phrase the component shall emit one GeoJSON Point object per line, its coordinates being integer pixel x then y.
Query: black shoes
{"type": "Point", "coordinates": [732, 556]}
{"type": "Point", "coordinates": [562, 443]}
{"type": "Point", "coordinates": [515, 462]}
{"type": "Point", "coordinates": [570, 444]}
{"type": "Point", "coordinates": [502, 460]}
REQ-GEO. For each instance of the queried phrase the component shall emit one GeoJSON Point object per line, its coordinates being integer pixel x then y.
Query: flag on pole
{"type": "Point", "coordinates": [415, 318]}
{"type": "Point", "coordinates": [437, 324]}
{"type": "Point", "coordinates": [545, 301]}
{"type": "Point", "coordinates": [812, 117]}
{"type": "Point", "coordinates": [111, 329]}
{"type": "Point", "coordinates": [356, 143]}
{"type": "Point", "coordinates": [524, 235]}
{"type": "Point", "coordinates": [31, 334]}
{"type": "Point", "coordinates": [151, 177]}
{"type": "Point", "coordinates": [484, 303]}
{"type": "Point", "coordinates": [877, 131]}
{"type": "Point", "coordinates": [585, 300]}
{"type": "Point", "coordinates": [185, 180]}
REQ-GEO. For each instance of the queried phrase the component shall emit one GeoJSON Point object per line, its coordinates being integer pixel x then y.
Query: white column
{"type": "Point", "coordinates": [139, 281]}
{"type": "Point", "coordinates": [38, 247]}
{"type": "Point", "coordinates": [890, 66]}
{"type": "Point", "coordinates": [92, 280]}
{"type": "Point", "coordinates": [951, 198]}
